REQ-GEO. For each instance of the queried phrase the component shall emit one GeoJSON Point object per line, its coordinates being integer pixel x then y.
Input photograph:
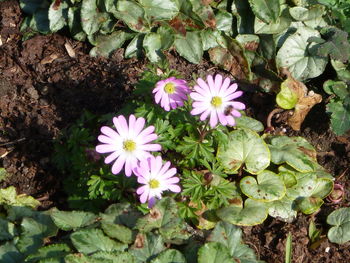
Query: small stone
{"type": "Point", "coordinates": [33, 93]}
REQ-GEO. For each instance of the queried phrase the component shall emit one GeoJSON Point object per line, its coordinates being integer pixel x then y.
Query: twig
{"type": "Point", "coordinates": [342, 174]}
{"type": "Point", "coordinates": [13, 142]}
{"type": "Point", "coordinates": [269, 117]}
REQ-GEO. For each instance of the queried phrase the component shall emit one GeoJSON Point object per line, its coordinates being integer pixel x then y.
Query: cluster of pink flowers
{"type": "Point", "coordinates": [129, 145]}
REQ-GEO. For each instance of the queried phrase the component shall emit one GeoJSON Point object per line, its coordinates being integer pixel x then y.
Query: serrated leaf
{"type": "Point", "coordinates": [340, 220]}
{"type": "Point", "coordinates": [91, 17]}
{"type": "Point", "coordinates": [294, 55]}
{"type": "Point", "coordinates": [72, 220]}
{"type": "Point", "coordinates": [267, 10]}
{"type": "Point", "coordinates": [190, 46]}
{"type": "Point", "coordinates": [51, 251]}
{"type": "Point", "coordinates": [58, 14]}
{"type": "Point", "coordinates": [160, 9]}
{"type": "Point", "coordinates": [244, 147]}
{"type": "Point", "coordinates": [124, 257]}
{"type": "Point", "coordinates": [81, 258]}
{"type": "Point", "coordinates": [120, 232]}
{"type": "Point", "coordinates": [231, 237]}
{"type": "Point", "coordinates": [267, 187]}
{"type": "Point", "coordinates": [106, 44]}
{"type": "Point", "coordinates": [169, 256]}
{"type": "Point", "coordinates": [340, 117]}
{"type": "Point", "coordinates": [93, 240]}
{"type": "Point", "coordinates": [295, 151]}
{"type": "Point", "coordinates": [214, 252]}
{"type": "Point", "coordinates": [133, 15]}
{"type": "Point", "coordinates": [147, 246]}
{"type": "Point", "coordinates": [253, 213]}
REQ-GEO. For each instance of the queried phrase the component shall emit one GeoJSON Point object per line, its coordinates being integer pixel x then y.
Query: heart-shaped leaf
{"type": "Point", "coordinates": [295, 151]}
{"type": "Point", "coordinates": [303, 14]}
{"type": "Point", "coordinates": [72, 220]}
{"type": "Point", "coordinates": [249, 123]}
{"type": "Point", "coordinates": [133, 15]}
{"type": "Point", "coordinates": [106, 44]}
{"type": "Point", "coordinates": [160, 9]}
{"type": "Point", "coordinates": [190, 46]}
{"type": "Point", "coordinates": [294, 55]}
{"type": "Point", "coordinates": [58, 14]}
{"type": "Point", "coordinates": [268, 187]}
{"type": "Point", "coordinates": [274, 27]}
{"type": "Point", "coordinates": [169, 256]}
{"type": "Point", "coordinates": [120, 232]}
{"type": "Point", "coordinates": [253, 213]}
{"type": "Point", "coordinates": [122, 213]}
{"type": "Point", "coordinates": [308, 205]}
{"type": "Point", "coordinates": [147, 246]}
{"type": "Point", "coordinates": [244, 147]}
{"type": "Point", "coordinates": [266, 10]}
{"type": "Point", "coordinates": [340, 220]}
{"type": "Point", "coordinates": [91, 17]}
{"type": "Point", "coordinates": [214, 252]}
{"type": "Point", "coordinates": [283, 210]}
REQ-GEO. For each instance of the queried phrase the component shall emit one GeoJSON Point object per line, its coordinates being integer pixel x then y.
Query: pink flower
{"type": "Point", "coordinates": [155, 178]}
{"type": "Point", "coordinates": [127, 144]}
{"type": "Point", "coordinates": [215, 98]}
{"type": "Point", "coordinates": [171, 93]}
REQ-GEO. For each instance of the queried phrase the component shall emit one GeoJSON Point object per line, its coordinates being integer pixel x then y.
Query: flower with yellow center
{"type": "Point", "coordinates": [155, 178]}
{"type": "Point", "coordinates": [128, 144]}
{"type": "Point", "coordinates": [213, 98]}
{"type": "Point", "coordinates": [170, 93]}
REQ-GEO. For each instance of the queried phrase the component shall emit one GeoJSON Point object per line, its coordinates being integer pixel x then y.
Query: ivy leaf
{"type": "Point", "coordinates": [294, 55]}
{"type": "Point", "coordinates": [93, 240]}
{"type": "Point", "coordinates": [190, 46]}
{"type": "Point", "coordinates": [72, 220]}
{"type": "Point", "coordinates": [295, 151]}
{"type": "Point", "coordinates": [253, 213]}
{"type": "Point", "coordinates": [244, 147]}
{"type": "Point", "coordinates": [340, 220]}
{"type": "Point", "coordinates": [160, 9]}
{"type": "Point", "coordinates": [169, 256]}
{"type": "Point", "coordinates": [58, 14]}
{"type": "Point", "coordinates": [267, 10]}
{"type": "Point", "coordinates": [267, 187]}
{"type": "Point", "coordinates": [214, 252]}
{"type": "Point", "coordinates": [231, 237]}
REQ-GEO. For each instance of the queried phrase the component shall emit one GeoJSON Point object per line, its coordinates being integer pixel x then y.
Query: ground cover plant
{"type": "Point", "coordinates": [194, 153]}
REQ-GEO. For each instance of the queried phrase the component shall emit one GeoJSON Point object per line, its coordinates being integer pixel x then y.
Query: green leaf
{"type": "Point", "coordinates": [338, 88]}
{"type": "Point", "coordinates": [10, 254]}
{"type": "Point", "coordinates": [147, 246]}
{"type": "Point", "coordinates": [81, 258]}
{"type": "Point", "coordinates": [120, 232]}
{"type": "Point", "coordinates": [160, 9]}
{"type": "Point", "coordinates": [190, 46]}
{"type": "Point", "coordinates": [308, 205]}
{"type": "Point", "coordinates": [124, 257]}
{"type": "Point", "coordinates": [134, 49]}
{"type": "Point", "coordinates": [51, 251]}
{"type": "Point", "coordinates": [74, 24]}
{"type": "Point", "coordinates": [169, 256]}
{"type": "Point", "coordinates": [304, 14]}
{"type": "Point", "coordinates": [340, 220]}
{"type": "Point", "coordinates": [253, 213]}
{"type": "Point", "coordinates": [72, 220]}
{"type": "Point", "coordinates": [245, 17]}
{"type": "Point", "coordinates": [268, 187]}
{"type": "Point", "coordinates": [106, 44]}
{"type": "Point", "coordinates": [244, 147]}
{"type": "Point", "coordinates": [267, 10]}
{"type": "Point", "coordinates": [133, 15]}
{"type": "Point", "coordinates": [8, 196]}
{"type": "Point", "coordinates": [153, 44]}
{"type": "Point", "coordinates": [40, 21]}
{"type": "Point", "coordinates": [93, 240]}
{"type": "Point", "coordinates": [91, 17]}
{"type": "Point", "coordinates": [294, 55]}
{"type": "Point", "coordinates": [122, 214]}
{"type": "Point", "coordinates": [231, 237]}
{"type": "Point", "coordinates": [31, 6]}
{"type": "Point", "coordinates": [224, 21]}
{"type": "Point", "coordinates": [58, 14]}
{"type": "Point", "coordinates": [249, 123]}
{"type": "Point", "coordinates": [208, 37]}
{"type": "Point", "coordinates": [214, 252]}
{"type": "Point", "coordinates": [295, 151]}
{"type": "Point", "coordinates": [288, 255]}
{"type": "Point", "coordinates": [340, 117]}
{"type": "Point", "coordinates": [7, 230]}
{"type": "Point", "coordinates": [283, 210]}
{"type": "Point", "coordinates": [286, 98]}
{"type": "Point", "coordinates": [274, 27]}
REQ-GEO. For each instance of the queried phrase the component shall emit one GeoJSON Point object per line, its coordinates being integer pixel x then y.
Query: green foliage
{"type": "Point", "coordinates": [34, 239]}
{"type": "Point", "coordinates": [340, 221]}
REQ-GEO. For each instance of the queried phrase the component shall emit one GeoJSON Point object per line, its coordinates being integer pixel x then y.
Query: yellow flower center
{"type": "Point", "coordinates": [216, 101]}
{"type": "Point", "coordinates": [169, 88]}
{"type": "Point", "coordinates": [153, 183]}
{"type": "Point", "coordinates": [129, 145]}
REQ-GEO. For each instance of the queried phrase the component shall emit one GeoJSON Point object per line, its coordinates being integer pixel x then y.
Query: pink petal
{"type": "Point", "coordinates": [231, 89]}
{"type": "Point", "coordinates": [218, 82]}
{"type": "Point", "coordinates": [121, 130]}
{"type": "Point", "coordinates": [224, 86]}
{"type": "Point", "coordinates": [213, 119]}
{"type": "Point", "coordinates": [147, 131]}
{"type": "Point", "coordinates": [156, 164]}
{"type": "Point", "coordinates": [203, 85]}
{"type": "Point", "coordinates": [197, 96]}
{"type": "Point", "coordinates": [151, 147]}
{"type": "Point", "coordinates": [230, 120]}
{"type": "Point", "coordinates": [197, 111]}
{"type": "Point", "coordinates": [238, 105]}
{"type": "Point", "coordinates": [200, 104]}
{"type": "Point", "coordinates": [172, 180]}
{"type": "Point", "coordinates": [233, 96]}
{"type": "Point", "coordinates": [106, 148]}
{"type": "Point", "coordinates": [128, 168]}
{"type": "Point", "coordinates": [144, 195]}
{"type": "Point", "coordinates": [139, 124]}
{"type": "Point", "coordinates": [171, 172]}
{"type": "Point", "coordinates": [174, 188]}
{"type": "Point", "coordinates": [222, 118]}
{"type": "Point", "coordinates": [151, 202]}
{"type": "Point", "coordinates": [141, 179]}
{"type": "Point", "coordinates": [141, 189]}
{"type": "Point", "coordinates": [118, 164]}
{"type": "Point", "coordinates": [211, 84]}
{"type": "Point", "coordinates": [105, 139]}
{"type": "Point", "coordinates": [165, 167]}
{"type": "Point", "coordinates": [236, 113]}
{"type": "Point", "coordinates": [158, 96]}
{"type": "Point", "coordinates": [110, 158]}
{"type": "Point", "coordinates": [205, 114]}
{"type": "Point", "coordinates": [109, 132]}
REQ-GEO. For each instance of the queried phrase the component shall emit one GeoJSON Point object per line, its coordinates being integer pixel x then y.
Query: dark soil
{"type": "Point", "coordinates": [44, 88]}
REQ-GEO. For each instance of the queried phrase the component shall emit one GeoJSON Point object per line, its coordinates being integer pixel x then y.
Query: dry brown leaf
{"type": "Point", "coordinates": [49, 59]}
{"type": "Point", "coordinates": [69, 50]}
